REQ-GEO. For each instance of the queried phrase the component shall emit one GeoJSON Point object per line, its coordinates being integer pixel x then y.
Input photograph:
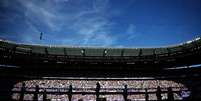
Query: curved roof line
{"type": "Point", "coordinates": [94, 47]}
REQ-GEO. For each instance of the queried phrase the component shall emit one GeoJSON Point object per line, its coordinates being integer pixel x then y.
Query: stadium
{"type": "Point", "coordinates": [100, 50]}
{"type": "Point", "coordinates": [83, 73]}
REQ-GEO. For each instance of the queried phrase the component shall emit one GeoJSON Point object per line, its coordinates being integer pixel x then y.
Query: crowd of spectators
{"type": "Point", "coordinates": [140, 84]}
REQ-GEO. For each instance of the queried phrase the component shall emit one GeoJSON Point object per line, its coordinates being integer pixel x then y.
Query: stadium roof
{"type": "Point", "coordinates": [95, 51]}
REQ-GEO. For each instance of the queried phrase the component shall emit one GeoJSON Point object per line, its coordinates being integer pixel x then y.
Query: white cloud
{"type": "Point", "coordinates": [95, 29]}
{"type": "Point", "coordinates": [43, 14]}
{"type": "Point", "coordinates": [100, 5]}
{"type": "Point", "coordinates": [131, 31]}
{"type": "Point", "coordinates": [61, 0]}
{"type": "Point", "coordinates": [88, 24]}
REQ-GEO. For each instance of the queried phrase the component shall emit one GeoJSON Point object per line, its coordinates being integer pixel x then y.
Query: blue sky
{"type": "Point", "coordinates": [102, 23]}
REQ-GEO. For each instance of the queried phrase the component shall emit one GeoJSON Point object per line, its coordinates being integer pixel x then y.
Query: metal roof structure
{"type": "Point", "coordinates": [94, 51]}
